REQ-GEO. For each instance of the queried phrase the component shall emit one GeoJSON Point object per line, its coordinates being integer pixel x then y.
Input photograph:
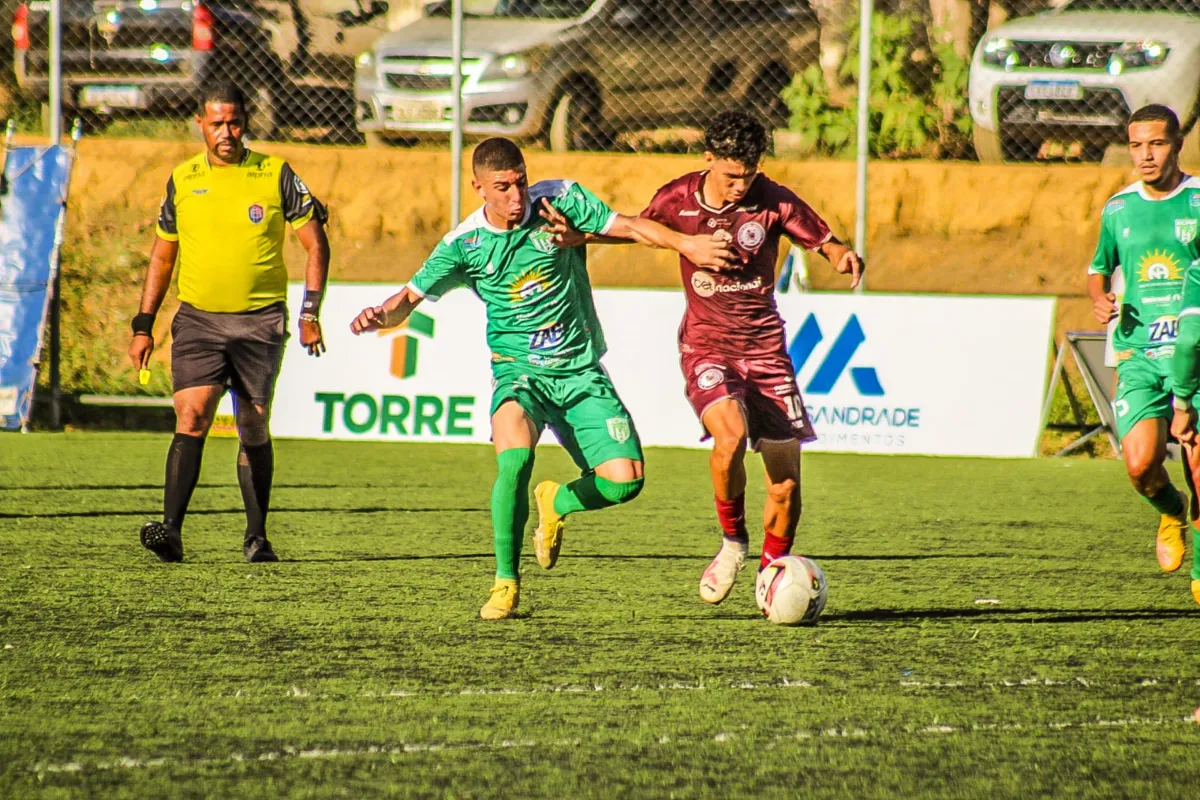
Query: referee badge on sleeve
{"type": "Point", "coordinates": [257, 213]}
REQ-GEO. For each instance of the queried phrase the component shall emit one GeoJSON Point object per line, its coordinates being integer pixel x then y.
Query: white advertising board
{"type": "Point", "coordinates": [879, 373]}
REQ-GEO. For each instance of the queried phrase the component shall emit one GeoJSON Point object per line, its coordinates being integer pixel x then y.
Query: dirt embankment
{"type": "Point", "coordinates": [934, 227]}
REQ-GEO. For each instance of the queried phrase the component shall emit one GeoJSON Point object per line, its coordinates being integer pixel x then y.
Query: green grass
{"type": "Point", "coordinates": [357, 667]}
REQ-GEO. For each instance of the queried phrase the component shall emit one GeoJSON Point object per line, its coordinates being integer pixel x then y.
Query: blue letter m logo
{"type": "Point", "coordinates": [836, 360]}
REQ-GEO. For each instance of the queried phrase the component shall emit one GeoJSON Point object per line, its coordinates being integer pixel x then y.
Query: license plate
{"type": "Point", "coordinates": [111, 97]}
{"type": "Point", "coordinates": [1054, 90]}
{"type": "Point", "coordinates": [416, 111]}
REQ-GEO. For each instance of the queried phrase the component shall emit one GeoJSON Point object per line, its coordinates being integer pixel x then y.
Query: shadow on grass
{"type": "Point", "coordinates": [92, 487]}
{"type": "Point", "coordinates": [1012, 615]}
{"type": "Point", "coordinates": [208, 512]}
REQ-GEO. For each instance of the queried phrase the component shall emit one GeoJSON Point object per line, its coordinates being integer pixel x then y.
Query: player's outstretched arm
{"type": "Point", "coordinates": [565, 236]}
{"type": "Point", "coordinates": [844, 260]}
{"type": "Point", "coordinates": [705, 251]}
{"type": "Point", "coordinates": [393, 312]}
{"type": "Point", "coordinates": [158, 279]}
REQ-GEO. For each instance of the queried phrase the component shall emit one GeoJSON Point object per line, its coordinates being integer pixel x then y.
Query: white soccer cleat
{"type": "Point", "coordinates": [721, 574]}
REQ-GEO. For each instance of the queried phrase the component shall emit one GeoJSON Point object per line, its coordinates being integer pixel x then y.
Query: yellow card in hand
{"type": "Point", "coordinates": [143, 376]}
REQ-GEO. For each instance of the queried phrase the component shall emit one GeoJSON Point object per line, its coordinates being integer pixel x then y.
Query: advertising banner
{"type": "Point", "coordinates": [879, 373]}
{"type": "Point", "coordinates": [31, 211]}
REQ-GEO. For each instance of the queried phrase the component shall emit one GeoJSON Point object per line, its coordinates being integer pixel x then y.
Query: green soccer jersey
{"type": "Point", "coordinates": [538, 297]}
{"type": "Point", "coordinates": [1152, 243]}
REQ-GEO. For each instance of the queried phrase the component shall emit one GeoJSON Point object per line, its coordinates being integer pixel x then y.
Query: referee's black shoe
{"type": "Point", "coordinates": [258, 551]}
{"type": "Point", "coordinates": [164, 541]}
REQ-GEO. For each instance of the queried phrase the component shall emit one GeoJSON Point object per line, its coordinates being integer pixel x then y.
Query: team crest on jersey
{"type": "Point", "coordinates": [257, 213]}
{"type": "Point", "coordinates": [472, 242]}
{"type": "Point", "coordinates": [1114, 206]}
{"type": "Point", "coordinates": [1185, 230]}
{"type": "Point", "coordinates": [751, 235]}
{"type": "Point", "coordinates": [619, 430]}
{"type": "Point", "coordinates": [1159, 265]}
{"type": "Point", "coordinates": [1194, 201]}
{"type": "Point", "coordinates": [543, 240]}
{"type": "Point", "coordinates": [710, 378]}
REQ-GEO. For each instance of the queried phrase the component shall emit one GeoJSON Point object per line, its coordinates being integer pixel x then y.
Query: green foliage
{"type": "Point", "coordinates": [918, 100]}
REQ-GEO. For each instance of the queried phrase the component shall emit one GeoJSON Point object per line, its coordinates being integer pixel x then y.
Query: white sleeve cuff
{"type": "Point", "coordinates": [608, 225]}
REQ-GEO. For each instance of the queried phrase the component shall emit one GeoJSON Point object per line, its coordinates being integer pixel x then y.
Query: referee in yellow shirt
{"type": "Point", "coordinates": [225, 216]}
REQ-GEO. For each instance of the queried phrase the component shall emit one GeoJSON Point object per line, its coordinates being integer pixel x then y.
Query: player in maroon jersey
{"type": "Point", "coordinates": [732, 342]}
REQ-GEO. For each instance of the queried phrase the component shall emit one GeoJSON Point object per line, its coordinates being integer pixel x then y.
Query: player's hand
{"type": "Point", "coordinates": [851, 263]}
{"type": "Point", "coordinates": [1183, 426]}
{"type": "Point", "coordinates": [369, 319]}
{"type": "Point", "coordinates": [311, 337]}
{"type": "Point", "coordinates": [708, 251]}
{"type": "Point", "coordinates": [1105, 308]}
{"type": "Point", "coordinates": [561, 232]}
{"type": "Point", "coordinates": [140, 349]}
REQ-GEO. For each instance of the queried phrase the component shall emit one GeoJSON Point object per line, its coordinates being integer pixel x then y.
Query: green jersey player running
{"type": "Point", "coordinates": [1148, 232]}
{"type": "Point", "coordinates": [1183, 222]}
{"type": "Point", "coordinates": [546, 346]}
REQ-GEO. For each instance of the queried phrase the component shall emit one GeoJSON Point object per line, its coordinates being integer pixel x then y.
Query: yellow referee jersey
{"type": "Point", "coordinates": [230, 225]}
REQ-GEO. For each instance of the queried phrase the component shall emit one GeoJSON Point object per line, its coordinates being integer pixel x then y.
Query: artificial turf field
{"type": "Point", "coordinates": [358, 667]}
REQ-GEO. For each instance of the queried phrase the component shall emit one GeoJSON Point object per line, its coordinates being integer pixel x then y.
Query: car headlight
{"type": "Point", "coordinates": [1001, 53]}
{"type": "Point", "coordinates": [1136, 55]}
{"type": "Point", "coordinates": [513, 66]}
{"type": "Point", "coordinates": [365, 63]}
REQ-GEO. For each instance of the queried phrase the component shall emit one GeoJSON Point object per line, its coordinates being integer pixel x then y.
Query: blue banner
{"type": "Point", "coordinates": [31, 210]}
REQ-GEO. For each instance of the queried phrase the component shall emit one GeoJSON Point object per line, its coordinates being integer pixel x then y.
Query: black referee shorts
{"type": "Point", "coordinates": [240, 351]}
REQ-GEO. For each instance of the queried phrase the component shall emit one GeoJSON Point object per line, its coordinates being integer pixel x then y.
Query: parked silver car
{"type": "Point", "coordinates": [1064, 82]}
{"type": "Point", "coordinates": [576, 72]}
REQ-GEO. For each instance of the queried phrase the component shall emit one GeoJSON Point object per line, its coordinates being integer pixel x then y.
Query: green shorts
{"type": "Point", "coordinates": [582, 409]}
{"type": "Point", "coordinates": [1143, 391]}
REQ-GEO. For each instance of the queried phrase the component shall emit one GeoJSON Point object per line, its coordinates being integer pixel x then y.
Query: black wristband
{"type": "Point", "coordinates": [312, 302]}
{"type": "Point", "coordinates": [143, 324]}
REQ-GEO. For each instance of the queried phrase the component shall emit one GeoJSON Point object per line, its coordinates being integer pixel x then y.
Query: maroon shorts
{"type": "Point", "coordinates": [765, 388]}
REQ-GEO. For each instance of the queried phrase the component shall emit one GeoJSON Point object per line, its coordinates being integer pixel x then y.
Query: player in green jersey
{"type": "Point", "coordinates": [1148, 234]}
{"type": "Point", "coordinates": [546, 345]}
{"type": "Point", "coordinates": [1176, 215]}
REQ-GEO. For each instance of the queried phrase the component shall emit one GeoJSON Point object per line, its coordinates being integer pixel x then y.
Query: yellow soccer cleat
{"type": "Point", "coordinates": [1196, 591]}
{"type": "Point", "coordinates": [1169, 545]}
{"type": "Point", "coordinates": [502, 599]}
{"type": "Point", "coordinates": [547, 539]}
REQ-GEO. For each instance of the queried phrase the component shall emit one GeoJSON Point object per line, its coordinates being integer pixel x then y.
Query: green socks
{"type": "Point", "coordinates": [1168, 501]}
{"type": "Point", "coordinates": [1195, 553]}
{"type": "Point", "coordinates": [510, 503]}
{"type": "Point", "coordinates": [592, 492]}
{"type": "Point", "coordinates": [510, 509]}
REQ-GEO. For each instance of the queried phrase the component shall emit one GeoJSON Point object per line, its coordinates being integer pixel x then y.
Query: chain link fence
{"type": "Point", "coordinates": [1017, 80]}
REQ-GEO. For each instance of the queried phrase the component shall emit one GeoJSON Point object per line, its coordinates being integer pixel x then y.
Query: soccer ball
{"type": "Point", "coordinates": [791, 590]}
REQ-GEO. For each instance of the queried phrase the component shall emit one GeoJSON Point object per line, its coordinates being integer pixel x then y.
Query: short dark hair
{"type": "Point", "coordinates": [1157, 113]}
{"type": "Point", "coordinates": [737, 136]}
{"type": "Point", "coordinates": [497, 155]}
{"type": "Point", "coordinates": [225, 94]}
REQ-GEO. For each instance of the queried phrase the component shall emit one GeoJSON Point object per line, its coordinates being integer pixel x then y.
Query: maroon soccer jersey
{"type": "Point", "coordinates": [733, 312]}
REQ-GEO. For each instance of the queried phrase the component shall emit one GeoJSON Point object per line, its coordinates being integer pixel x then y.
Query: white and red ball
{"type": "Point", "coordinates": [791, 590]}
